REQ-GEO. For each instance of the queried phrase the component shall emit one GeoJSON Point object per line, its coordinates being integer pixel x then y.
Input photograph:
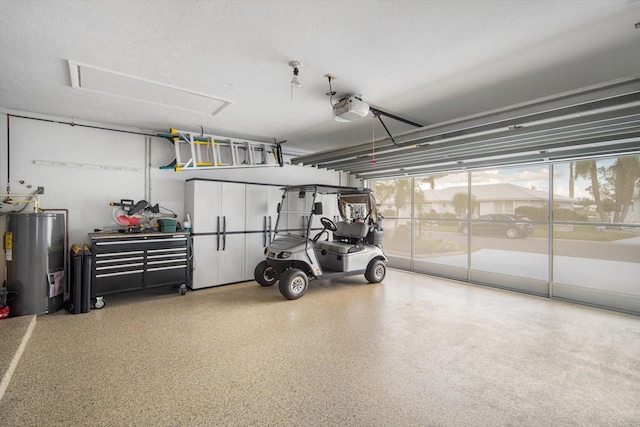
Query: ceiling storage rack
{"type": "Point", "coordinates": [598, 120]}
{"type": "Point", "coordinates": [218, 152]}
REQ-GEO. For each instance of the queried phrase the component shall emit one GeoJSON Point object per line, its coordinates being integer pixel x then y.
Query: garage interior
{"type": "Point", "coordinates": [461, 116]}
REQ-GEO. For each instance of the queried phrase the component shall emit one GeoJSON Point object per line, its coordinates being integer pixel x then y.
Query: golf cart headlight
{"type": "Point", "coordinates": [284, 254]}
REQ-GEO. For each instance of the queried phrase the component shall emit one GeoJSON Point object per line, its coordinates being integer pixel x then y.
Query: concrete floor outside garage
{"type": "Point", "coordinates": [411, 351]}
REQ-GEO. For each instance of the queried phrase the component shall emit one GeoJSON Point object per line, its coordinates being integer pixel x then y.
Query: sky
{"type": "Point", "coordinates": [531, 176]}
{"type": "Point", "coordinates": [535, 177]}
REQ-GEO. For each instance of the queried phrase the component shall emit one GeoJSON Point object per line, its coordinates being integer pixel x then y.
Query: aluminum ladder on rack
{"type": "Point", "coordinates": [216, 152]}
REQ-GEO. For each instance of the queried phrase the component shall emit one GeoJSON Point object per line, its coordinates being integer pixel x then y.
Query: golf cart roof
{"type": "Point", "coordinates": [346, 196]}
{"type": "Point", "coordinates": [328, 189]}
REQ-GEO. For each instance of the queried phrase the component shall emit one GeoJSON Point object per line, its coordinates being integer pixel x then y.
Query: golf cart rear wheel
{"type": "Point", "coordinates": [293, 283]}
{"type": "Point", "coordinates": [376, 270]}
{"type": "Point", "coordinates": [264, 274]}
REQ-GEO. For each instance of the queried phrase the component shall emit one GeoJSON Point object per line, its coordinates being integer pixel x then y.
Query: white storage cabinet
{"type": "Point", "coordinates": [217, 227]}
{"type": "Point", "coordinates": [231, 224]}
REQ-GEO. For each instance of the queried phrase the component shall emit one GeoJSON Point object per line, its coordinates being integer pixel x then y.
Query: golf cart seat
{"type": "Point", "coordinates": [348, 238]}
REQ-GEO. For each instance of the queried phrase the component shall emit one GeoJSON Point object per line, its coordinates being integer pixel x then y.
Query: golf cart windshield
{"type": "Point", "coordinates": [295, 211]}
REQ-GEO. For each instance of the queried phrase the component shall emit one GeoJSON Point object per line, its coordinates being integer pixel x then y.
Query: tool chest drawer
{"type": "Point", "coordinates": [166, 265]}
{"type": "Point", "coordinates": [139, 261]}
{"type": "Point", "coordinates": [119, 270]}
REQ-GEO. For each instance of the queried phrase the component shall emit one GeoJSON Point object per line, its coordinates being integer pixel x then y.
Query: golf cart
{"type": "Point", "coordinates": [310, 246]}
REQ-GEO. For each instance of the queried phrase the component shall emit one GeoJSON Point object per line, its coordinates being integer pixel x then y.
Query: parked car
{"type": "Point", "coordinates": [511, 226]}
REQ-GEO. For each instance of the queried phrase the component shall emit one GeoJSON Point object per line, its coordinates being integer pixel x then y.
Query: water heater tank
{"type": "Point", "coordinates": [36, 262]}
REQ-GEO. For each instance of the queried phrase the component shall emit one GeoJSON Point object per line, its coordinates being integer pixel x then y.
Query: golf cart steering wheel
{"type": "Point", "coordinates": [328, 224]}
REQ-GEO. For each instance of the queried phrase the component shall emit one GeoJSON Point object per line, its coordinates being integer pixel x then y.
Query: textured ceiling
{"type": "Point", "coordinates": [428, 61]}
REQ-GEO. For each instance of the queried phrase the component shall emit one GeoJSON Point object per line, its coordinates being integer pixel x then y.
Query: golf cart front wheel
{"type": "Point", "coordinates": [376, 270]}
{"type": "Point", "coordinates": [293, 283]}
{"type": "Point", "coordinates": [264, 274]}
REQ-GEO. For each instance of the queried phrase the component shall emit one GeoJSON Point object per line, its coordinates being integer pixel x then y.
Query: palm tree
{"type": "Point", "coordinates": [460, 204]}
{"type": "Point", "coordinates": [403, 194]}
{"type": "Point", "coordinates": [418, 205]}
{"type": "Point", "coordinates": [384, 190]}
{"type": "Point", "coordinates": [588, 169]}
{"type": "Point", "coordinates": [572, 179]}
{"type": "Point", "coordinates": [397, 190]}
{"type": "Point", "coordinates": [431, 180]}
{"type": "Point", "coordinates": [626, 175]}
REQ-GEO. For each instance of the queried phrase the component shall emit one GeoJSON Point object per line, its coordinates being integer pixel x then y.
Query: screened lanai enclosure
{"type": "Point", "coordinates": [577, 228]}
{"type": "Point", "coordinates": [541, 197]}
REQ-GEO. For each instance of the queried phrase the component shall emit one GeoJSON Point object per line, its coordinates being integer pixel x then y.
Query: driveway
{"type": "Point", "coordinates": [606, 275]}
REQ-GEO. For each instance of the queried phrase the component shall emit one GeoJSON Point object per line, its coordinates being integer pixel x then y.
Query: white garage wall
{"type": "Point", "coordinates": [167, 187]}
{"type": "Point", "coordinates": [86, 192]}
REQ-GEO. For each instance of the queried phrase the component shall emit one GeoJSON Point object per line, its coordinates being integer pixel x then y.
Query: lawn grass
{"type": "Point", "coordinates": [580, 232]}
{"type": "Point", "coordinates": [445, 228]}
{"type": "Point", "coordinates": [588, 232]}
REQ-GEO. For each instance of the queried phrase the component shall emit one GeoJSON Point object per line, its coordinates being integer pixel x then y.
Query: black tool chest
{"type": "Point", "coordinates": [136, 261]}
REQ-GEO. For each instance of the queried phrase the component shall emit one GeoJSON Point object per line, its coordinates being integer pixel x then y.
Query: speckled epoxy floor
{"type": "Point", "coordinates": [12, 330]}
{"type": "Point", "coordinates": [414, 350]}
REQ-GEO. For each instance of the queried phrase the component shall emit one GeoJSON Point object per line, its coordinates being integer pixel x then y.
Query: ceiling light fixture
{"type": "Point", "coordinates": [295, 81]}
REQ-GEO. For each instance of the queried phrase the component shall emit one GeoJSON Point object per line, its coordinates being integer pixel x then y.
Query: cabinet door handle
{"type": "Point", "coordinates": [218, 235]}
{"type": "Point", "coordinates": [224, 233]}
{"type": "Point", "coordinates": [264, 231]}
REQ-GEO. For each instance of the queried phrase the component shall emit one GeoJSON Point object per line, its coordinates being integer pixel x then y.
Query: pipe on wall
{"type": "Point", "coordinates": [8, 156]}
{"type": "Point", "coordinates": [147, 172]}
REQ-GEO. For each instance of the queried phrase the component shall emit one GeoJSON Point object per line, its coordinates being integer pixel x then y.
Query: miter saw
{"type": "Point", "coordinates": [127, 213]}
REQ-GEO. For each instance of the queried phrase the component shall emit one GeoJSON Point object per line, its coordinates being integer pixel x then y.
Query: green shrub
{"type": "Point", "coordinates": [533, 213]}
{"type": "Point", "coordinates": [580, 216]}
{"type": "Point", "coordinates": [564, 214]}
{"type": "Point", "coordinates": [559, 214]}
